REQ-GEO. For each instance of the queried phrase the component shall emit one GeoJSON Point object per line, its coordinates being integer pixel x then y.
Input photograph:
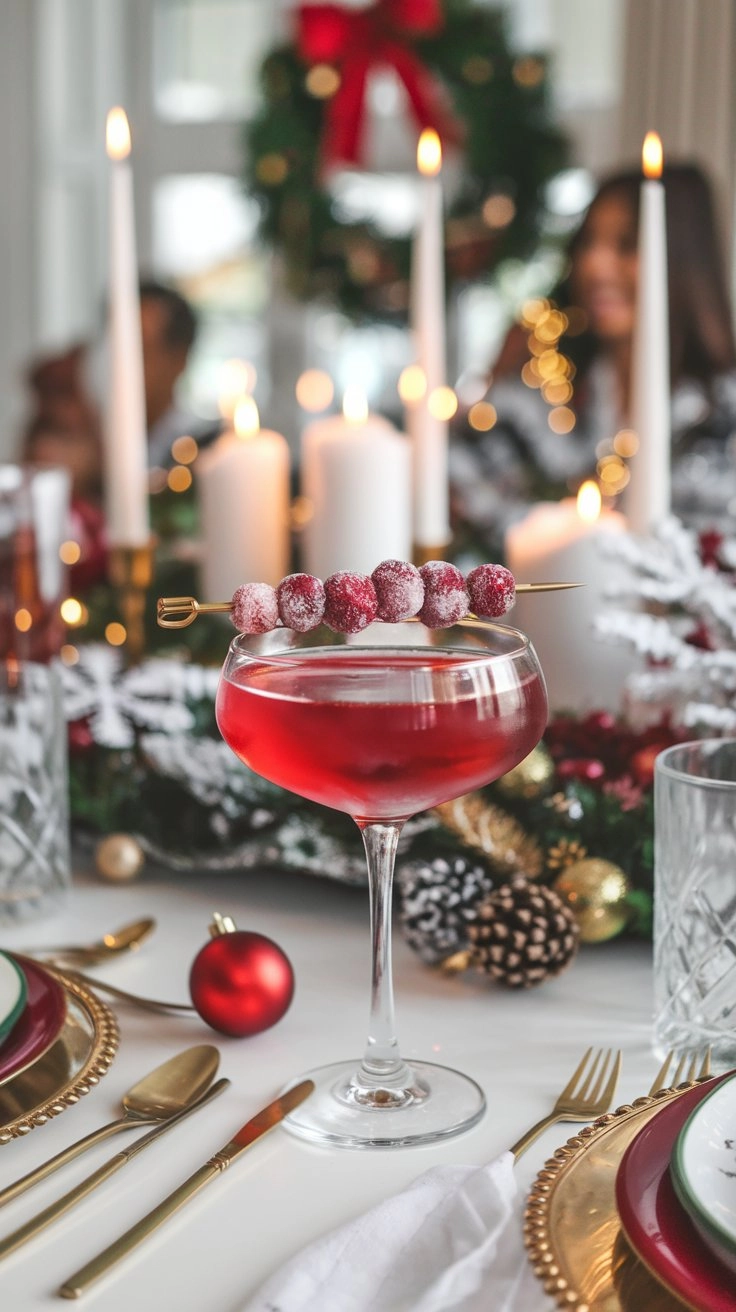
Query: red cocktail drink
{"type": "Point", "coordinates": [336, 726]}
{"type": "Point", "coordinates": [381, 727]}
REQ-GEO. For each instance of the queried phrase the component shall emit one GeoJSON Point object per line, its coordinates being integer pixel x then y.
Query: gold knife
{"type": "Point", "coordinates": [259, 1125]}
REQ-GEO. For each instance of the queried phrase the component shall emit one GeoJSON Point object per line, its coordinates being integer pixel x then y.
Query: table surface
{"type": "Point", "coordinates": [520, 1046]}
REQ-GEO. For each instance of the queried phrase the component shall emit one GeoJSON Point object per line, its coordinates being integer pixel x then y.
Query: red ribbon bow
{"type": "Point", "coordinates": [359, 40]}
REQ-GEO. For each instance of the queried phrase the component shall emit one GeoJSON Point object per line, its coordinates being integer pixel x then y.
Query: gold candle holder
{"type": "Point", "coordinates": [422, 554]}
{"type": "Point", "coordinates": [131, 573]}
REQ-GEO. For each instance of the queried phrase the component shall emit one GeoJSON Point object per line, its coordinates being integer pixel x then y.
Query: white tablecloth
{"type": "Point", "coordinates": [521, 1047]}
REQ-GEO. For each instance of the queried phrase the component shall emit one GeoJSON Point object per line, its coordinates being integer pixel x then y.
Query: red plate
{"type": "Point", "coordinates": [40, 1024]}
{"type": "Point", "coordinates": [656, 1226]}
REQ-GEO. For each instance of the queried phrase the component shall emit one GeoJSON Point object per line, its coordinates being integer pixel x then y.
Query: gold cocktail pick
{"type": "Point", "coordinates": [546, 587]}
{"type": "Point", "coordinates": [179, 612]}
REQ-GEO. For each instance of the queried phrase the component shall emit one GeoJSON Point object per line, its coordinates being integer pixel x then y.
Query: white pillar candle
{"type": "Point", "coordinates": [244, 499]}
{"type": "Point", "coordinates": [427, 324]}
{"type": "Point", "coordinates": [125, 448]}
{"type": "Point", "coordinates": [356, 475]}
{"type": "Point", "coordinates": [563, 542]}
{"type": "Point", "coordinates": [647, 496]}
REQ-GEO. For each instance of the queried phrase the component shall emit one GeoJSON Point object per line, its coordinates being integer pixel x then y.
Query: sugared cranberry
{"type": "Point", "coordinates": [350, 602]}
{"type": "Point", "coordinates": [399, 590]}
{"type": "Point", "coordinates": [445, 594]}
{"type": "Point", "coordinates": [301, 599]}
{"type": "Point", "coordinates": [255, 608]}
{"type": "Point", "coordinates": [492, 591]}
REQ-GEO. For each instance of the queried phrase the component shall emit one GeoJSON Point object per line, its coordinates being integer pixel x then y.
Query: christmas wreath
{"type": "Point", "coordinates": [458, 75]}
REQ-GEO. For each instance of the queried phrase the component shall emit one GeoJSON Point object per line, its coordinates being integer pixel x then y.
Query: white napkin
{"type": "Point", "coordinates": [451, 1242]}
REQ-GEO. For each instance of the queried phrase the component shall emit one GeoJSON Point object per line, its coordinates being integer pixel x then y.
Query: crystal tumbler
{"type": "Point", "coordinates": [34, 800]}
{"type": "Point", "coordinates": [695, 898]}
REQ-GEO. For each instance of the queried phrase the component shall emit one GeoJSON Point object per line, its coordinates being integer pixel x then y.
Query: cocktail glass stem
{"type": "Point", "coordinates": [382, 1069]}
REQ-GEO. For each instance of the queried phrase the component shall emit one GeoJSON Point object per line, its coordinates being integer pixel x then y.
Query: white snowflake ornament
{"type": "Point", "coordinates": [117, 701]}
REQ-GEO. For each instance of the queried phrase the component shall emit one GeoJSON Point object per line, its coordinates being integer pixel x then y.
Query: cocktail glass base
{"type": "Point", "coordinates": [436, 1103]}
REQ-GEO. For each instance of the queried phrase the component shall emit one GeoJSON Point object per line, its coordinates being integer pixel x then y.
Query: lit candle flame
{"type": "Point", "coordinates": [117, 134]}
{"type": "Point", "coordinates": [246, 420]}
{"type": "Point", "coordinates": [354, 405]}
{"type": "Point", "coordinates": [589, 502]}
{"type": "Point", "coordinates": [429, 153]}
{"type": "Point", "coordinates": [651, 156]}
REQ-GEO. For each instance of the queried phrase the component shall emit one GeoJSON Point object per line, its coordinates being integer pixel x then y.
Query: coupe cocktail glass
{"type": "Point", "coordinates": [383, 725]}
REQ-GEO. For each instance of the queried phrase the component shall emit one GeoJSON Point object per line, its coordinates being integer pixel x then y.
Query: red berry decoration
{"type": "Point", "coordinates": [399, 590]}
{"type": "Point", "coordinates": [584, 769]}
{"type": "Point", "coordinates": [255, 608]}
{"type": "Point", "coordinates": [350, 602]}
{"type": "Point", "coordinates": [396, 590]}
{"type": "Point", "coordinates": [301, 599]}
{"type": "Point", "coordinates": [240, 983]}
{"type": "Point", "coordinates": [80, 736]}
{"type": "Point", "coordinates": [492, 591]}
{"type": "Point", "coordinates": [445, 594]}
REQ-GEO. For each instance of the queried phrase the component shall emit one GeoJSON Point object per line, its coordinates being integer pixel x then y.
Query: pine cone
{"type": "Point", "coordinates": [437, 901]}
{"type": "Point", "coordinates": [523, 934]}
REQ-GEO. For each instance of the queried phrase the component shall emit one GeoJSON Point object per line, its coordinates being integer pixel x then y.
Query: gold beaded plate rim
{"type": "Point", "coordinates": [571, 1228]}
{"type": "Point", "coordinates": [69, 1070]}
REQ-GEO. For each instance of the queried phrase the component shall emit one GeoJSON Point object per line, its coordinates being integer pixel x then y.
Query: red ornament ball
{"type": "Point", "coordinates": [255, 608]}
{"type": "Point", "coordinates": [399, 590]}
{"type": "Point", "coordinates": [642, 764]}
{"type": "Point", "coordinates": [241, 983]}
{"type": "Point", "coordinates": [492, 591]}
{"type": "Point", "coordinates": [350, 602]}
{"type": "Point", "coordinates": [445, 594]}
{"type": "Point", "coordinates": [301, 599]}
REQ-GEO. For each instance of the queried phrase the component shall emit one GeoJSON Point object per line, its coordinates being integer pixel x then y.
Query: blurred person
{"type": "Point", "coordinates": [63, 427]}
{"type": "Point", "coordinates": [65, 424]}
{"type": "Point", "coordinates": [168, 330]}
{"type": "Point", "coordinates": [521, 459]}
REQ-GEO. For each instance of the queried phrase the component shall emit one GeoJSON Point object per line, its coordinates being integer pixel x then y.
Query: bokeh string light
{"type": "Point", "coordinates": [552, 373]}
{"type": "Point", "coordinates": [315, 390]}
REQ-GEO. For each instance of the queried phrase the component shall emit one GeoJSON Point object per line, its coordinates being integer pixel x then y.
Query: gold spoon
{"type": "Point", "coordinates": [126, 939]}
{"type": "Point", "coordinates": [160, 1095]}
{"type": "Point", "coordinates": [135, 999]}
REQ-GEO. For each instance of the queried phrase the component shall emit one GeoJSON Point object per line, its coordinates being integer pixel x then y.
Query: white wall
{"type": "Point", "coordinates": [17, 211]}
{"type": "Point", "coordinates": [584, 42]}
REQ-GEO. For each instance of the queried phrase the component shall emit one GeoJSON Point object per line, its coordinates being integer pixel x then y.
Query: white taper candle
{"type": "Point", "coordinates": [647, 498]}
{"type": "Point", "coordinates": [427, 323]}
{"type": "Point", "coordinates": [125, 447]}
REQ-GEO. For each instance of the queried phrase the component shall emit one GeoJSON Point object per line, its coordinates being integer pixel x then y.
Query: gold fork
{"type": "Point", "coordinates": [588, 1093]}
{"type": "Point", "coordinates": [685, 1071]}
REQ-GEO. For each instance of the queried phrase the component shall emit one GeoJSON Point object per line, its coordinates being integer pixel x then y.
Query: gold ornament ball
{"type": "Point", "coordinates": [597, 892]}
{"type": "Point", "coordinates": [119, 858]}
{"type": "Point", "coordinates": [531, 776]}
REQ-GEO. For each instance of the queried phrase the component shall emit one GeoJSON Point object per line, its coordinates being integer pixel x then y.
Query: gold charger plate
{"type": "Point", "coordinates": [68, 1070]}
{"type": "Point", "coordinates": [571, 1225]}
